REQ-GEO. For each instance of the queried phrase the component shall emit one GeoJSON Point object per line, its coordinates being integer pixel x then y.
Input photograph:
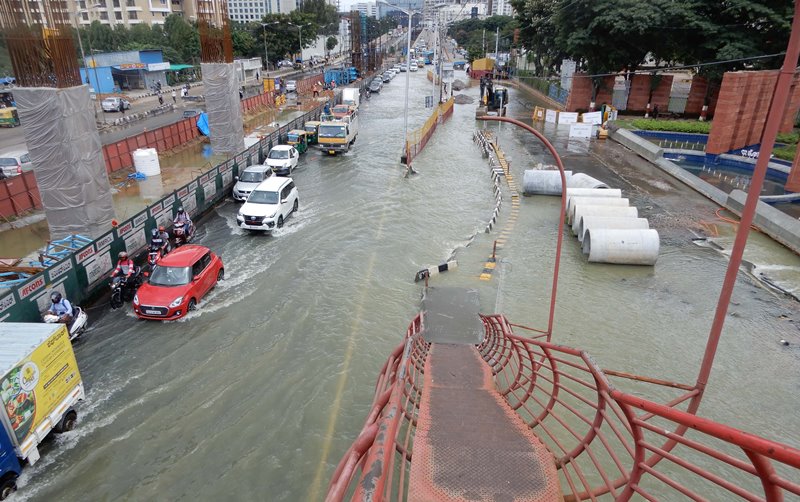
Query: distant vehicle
{"type": "Point", "coordinates": [112, 104]}
{"type": "Point", "coordinates": [177, 283]}
{"type": "Point", "coordinates": [350, 97]}
{"type": "Point", "coordinates": [191, 113]}
{"type": "Point", "coordinates": [282, 159]}
{"type": "Point", "coordinates": [387, 77]}
{"type": "Point", "coordinates": [249, 179]}
{"type": "Point", "coordinates": [403, 68]}
{"type": "Point", "coordinates": [285, 63]}
{"type": "Point", "coordinates": [413, 66]}
{"type": "Point", "coordinates": [269, 205]}
{"type": "Point", "coordinates": [376, 85]}
{"type": "Point", "coordinates": [291, 86]}
{"type": "Point", "coordinates": [15, 162]}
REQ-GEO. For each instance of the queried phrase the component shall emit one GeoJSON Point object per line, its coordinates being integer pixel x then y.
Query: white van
{"type": "Point", "coordinates": [249, 180]}
{"type": "Point", "coordinates": [269, 205]}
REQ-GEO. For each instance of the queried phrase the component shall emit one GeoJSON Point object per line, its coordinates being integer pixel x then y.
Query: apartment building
{"type": "Point", "coordinates": [251, 11]}
{"type": "Point", "coordinates": [130, 12]}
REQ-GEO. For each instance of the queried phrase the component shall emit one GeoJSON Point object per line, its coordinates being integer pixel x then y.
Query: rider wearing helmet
{"type": "Point", "coordinates": [182, 221]}
{"type": "Point", "coordinates": [160, 240]}
{"type": "Point", "coordinates": [60, 306]}
{"type": "Point", "coordinates": [125, 267]}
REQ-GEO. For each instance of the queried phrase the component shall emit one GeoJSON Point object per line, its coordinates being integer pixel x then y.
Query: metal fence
{"type": "Point", "coordinates": [84, 273]}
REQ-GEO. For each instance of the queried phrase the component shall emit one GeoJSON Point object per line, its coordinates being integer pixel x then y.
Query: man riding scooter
{"type": "Point", "coordinates": [61, 308]}
{"type": "Point", "coordinates": [160, 240]}
{"type": "Point", "coordinates": [184, 229]}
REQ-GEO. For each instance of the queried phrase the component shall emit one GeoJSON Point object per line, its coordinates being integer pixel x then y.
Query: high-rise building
{"type": "Point", "coordinates": [251, 11]}
{"type": "Point", "coordinates": [502, 8]}
{"type": "Point", "coordinates": [130, 12]}
{"type": "Point", "coordinates": [369, 9]}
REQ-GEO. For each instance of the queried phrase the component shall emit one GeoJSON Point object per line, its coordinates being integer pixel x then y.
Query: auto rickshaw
{"type": "Point", "coordinates": [298, 138]}
{"type": "Point", "coordinates": [9, 117]}
{"type": "Point", "coordinates": [312, 128]}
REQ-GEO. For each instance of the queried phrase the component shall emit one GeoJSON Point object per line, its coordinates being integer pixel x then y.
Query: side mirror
{"type": "Point", "coordinates": [284, 200]}
{"type": "Point", "coordinates": [195, 278]}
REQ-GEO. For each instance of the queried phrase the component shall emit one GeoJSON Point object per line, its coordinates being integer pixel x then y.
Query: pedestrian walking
{"type": "Point", "coordinates": [174, 96]}
{"type": "Point", "coordinates": [122, 107]}
{"type": "Point", "coordinates": [160, 99]}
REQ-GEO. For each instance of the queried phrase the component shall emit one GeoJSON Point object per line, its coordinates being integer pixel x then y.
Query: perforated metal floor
{"type": "Point", "coordinates": [469, 444]}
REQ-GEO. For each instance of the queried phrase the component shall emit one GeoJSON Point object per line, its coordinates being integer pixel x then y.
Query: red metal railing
{"type": "Point", "coordinates": [380, 458]}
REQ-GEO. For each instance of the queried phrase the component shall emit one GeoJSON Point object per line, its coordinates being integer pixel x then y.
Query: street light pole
{"type": "Point", "coordinates": [266, 55]}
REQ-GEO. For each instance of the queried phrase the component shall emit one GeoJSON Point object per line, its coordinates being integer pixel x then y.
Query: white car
{"type": "Point", "coordinates": [291, 86]}
{"type": "Point", "coordinates": [413, 66]}
{"type": "Point", "coordinates": [15, 162]}
{"type": "Point", "coordinates": [112, 104]}
{"type": "Point", "coordinates": [269, 205]}
{"type": "Point", "coordinates": [249, 180]}
{"type": "Point", "coordinates": [283, 159]}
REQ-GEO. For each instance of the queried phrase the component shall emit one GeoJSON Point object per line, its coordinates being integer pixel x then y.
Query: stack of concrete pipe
{"type": "Point", "coordinates": [607, 226]}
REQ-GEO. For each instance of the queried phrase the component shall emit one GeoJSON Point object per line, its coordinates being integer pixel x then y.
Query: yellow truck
{"type": "Point", "coordinates": [338, 135]}
{"type": "Point", "coordinates": [40, 385]}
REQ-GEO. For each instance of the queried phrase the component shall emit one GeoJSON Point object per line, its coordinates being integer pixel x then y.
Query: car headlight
{"type": "Point", "coordinates": [136, 299]}
{"type": "Point", "coordinates": [177, 301]}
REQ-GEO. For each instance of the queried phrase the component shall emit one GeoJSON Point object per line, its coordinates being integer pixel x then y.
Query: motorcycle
{"type": "Point", "coordinates": [182, 234]}
{"type": "Point", "coordinates": [123, 289]}
{"type": "Point", "coordinates": [78, 324]}
{"type": "Point", "coordinates": [153, 255]}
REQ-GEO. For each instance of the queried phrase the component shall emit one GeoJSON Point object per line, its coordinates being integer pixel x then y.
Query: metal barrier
{"type": "Point", "coordinates": [417, 140]}
{"type": "Point", "coordinates": [18, 195]}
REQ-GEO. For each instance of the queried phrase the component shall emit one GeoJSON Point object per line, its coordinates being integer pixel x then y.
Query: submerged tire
{"type": "Point", "coordinates": [7, 487]}
{"type": "Point", "coordinates": [280, 221]}
{"type": "Point", "coordinates": [67, 422]}
{"type": "Point", "coordinates": [192, 305]}
{"type": "Point", "coordinates": [296, 205]}
{"type": "Point", "coordinates": [116, 300]}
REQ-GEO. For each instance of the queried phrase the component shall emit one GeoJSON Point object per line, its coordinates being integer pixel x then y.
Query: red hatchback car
{"type": "Point", "coordinates": [177, 283]}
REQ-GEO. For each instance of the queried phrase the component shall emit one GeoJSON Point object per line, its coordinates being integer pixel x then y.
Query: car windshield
{"type": "Point", "coordinates": [341, 109]}
{"type": "Point", "coordinates": [252, 177]}
{"type": "Point", "coordinates": [332, 131]}
{"type": "Point", "coordinates": [170, 276]}
{"type": "Point", "coordinates": [8, 161]}
{"type": "Point", "coordinates": [263, 197]}
{"type": "Point", "coordinates": [294, 137]}
{"type": "Point", "coordinates": [278, 154]}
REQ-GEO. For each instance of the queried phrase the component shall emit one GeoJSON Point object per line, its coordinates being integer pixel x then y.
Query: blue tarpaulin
{"type": "Point", "coordinates": [202, 124]}
{"type": "Point", "coordinates": [7, 80]}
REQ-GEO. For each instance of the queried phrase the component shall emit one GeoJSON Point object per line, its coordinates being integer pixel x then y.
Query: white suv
{"type": "Point", "coordinates": [269, 205]}
{"type": "Point", "coordinates": [249, 180]}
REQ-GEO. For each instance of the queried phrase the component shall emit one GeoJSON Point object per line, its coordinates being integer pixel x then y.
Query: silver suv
{"type": "Point", "coordinates": [249, 179]}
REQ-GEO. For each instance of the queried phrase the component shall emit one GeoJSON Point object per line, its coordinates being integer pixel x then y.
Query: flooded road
{"type": "Point", "coordinates": [258, 393]}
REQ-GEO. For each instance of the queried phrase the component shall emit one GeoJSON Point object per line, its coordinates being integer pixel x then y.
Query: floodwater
{"type": "Point", "coordinates": [256, 395]}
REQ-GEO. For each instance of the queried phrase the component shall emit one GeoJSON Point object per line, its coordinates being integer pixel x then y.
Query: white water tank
{"type": "Point", "coordinates": [145, 160]}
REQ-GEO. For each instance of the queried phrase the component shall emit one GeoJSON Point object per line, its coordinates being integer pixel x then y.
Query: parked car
{"type": "Point", "coordinates": [283, 159]}
{"type": "Point", "coordinates": [250, 178]}
{"type": "Point", "coordinates": [291, 86]}
{"type": "Point", "coordinates": [112, 104]}
{"type": "Point", "coordinates": [178, 282]}
{"type": "Point", "coordinates": [387, 77]}
{"type": "Point", "coordinates": [269, 205]}
{"type": "Point", "coordinates": [413, 66]}
{"type": "Point", "coordinates": [15, 162]}
{"type": "Point", "coordinates": [285, 63]}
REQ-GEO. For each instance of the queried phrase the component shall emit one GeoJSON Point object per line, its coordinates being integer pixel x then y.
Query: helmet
{"type": "Point", "coordinates": [123, 255]}
{"type": "Point", "coordinates": [180, 209]}
{"type": "Point", "coordinates": [161, 228]}
{"type": "Point", "coordinates": [55, 297]}
{"type": "Point", "coordinates": [154, 232]}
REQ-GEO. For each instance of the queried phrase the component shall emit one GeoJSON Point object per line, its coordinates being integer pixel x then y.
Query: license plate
{"type": "Point", "coordinates": [154, 312]}
{"type": "Point", "coordinates": [332, 152]}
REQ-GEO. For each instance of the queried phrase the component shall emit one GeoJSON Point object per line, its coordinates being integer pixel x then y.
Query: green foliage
{"type": "Point", "coordinates": [470, 33]}
{"type": "Point", "coordinates": [789, 138]}
{"type": "Point", "coordinates": [243, 43]}
{"type": "Point", "coordinates": [5, 60]}
{"type": "Point", "coordinates": [687, 126]}
{"type": "Point", "coordinates": [331, 43]}
{"type": "Point", "coordinates": [785, 152]}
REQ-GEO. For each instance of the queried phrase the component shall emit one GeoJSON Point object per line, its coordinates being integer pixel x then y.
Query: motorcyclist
{"type": "Point", "coordinates": [60, 307]}
{"type": "Point", "coordinates": [182, 220]}
{"type": "Point", "coordinates": [160, 240]}
{"type": "Point", "coordinates": [125, 268]}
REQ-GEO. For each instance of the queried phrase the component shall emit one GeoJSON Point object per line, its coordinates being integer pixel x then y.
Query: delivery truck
{"type": "Point", "coordinates": [350, 96]}
{"type": "Point", "coordinates": [40, 386]}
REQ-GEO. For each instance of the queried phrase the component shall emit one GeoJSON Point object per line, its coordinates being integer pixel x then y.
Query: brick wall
{"type": "Point", "coordinates": [580, 95]}
{"type": "Point", "coordinates": [639, 94]}
{"type": "Point", "coordinates": [742, 107]}
{"type": "Point", "coordinates": [697, 95]}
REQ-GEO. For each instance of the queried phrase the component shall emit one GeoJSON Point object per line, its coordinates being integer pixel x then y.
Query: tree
{"type": "Point", "coordinates": [244, 43]}
{"type": "Point", "coordinates": [331, 43]}
{"type": "Point", "coordinates": [537, 33]}
{"type": "Point", "coordinates": [183, 37]}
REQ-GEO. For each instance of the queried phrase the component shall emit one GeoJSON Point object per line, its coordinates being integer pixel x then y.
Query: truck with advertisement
{"type": "Point", "coordinates": [350, 96]}
{"type": "Point", "coordinates": [39, 387]}
{"type": "Point", "coordinates": [338, 134]}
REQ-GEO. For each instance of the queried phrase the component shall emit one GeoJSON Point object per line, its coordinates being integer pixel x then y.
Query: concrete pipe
{"type": "Point", "coordinates": [594, 192]}
{"type": "Point", "coordinates": [583, 210]}
{"type": "Point", "coordinates": [589, 222]}
{"type": "Point", "coordinates": [573, 202]}
{"type": "Point", "coordinates": [622, 246]}
{"type": "Point", "coordinates": [580, 180]}
{"type": "Point", "coordinates": [539, 182]}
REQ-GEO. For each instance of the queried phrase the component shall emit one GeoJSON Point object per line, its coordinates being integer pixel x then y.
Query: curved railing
{"type": "Point", "coordinates": [380, 458]}
{"type": "Point", "coordinates": [606, 441]}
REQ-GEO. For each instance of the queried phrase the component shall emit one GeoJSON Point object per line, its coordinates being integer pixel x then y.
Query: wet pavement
{"type": "Point", "coordinates": [258, 393]}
